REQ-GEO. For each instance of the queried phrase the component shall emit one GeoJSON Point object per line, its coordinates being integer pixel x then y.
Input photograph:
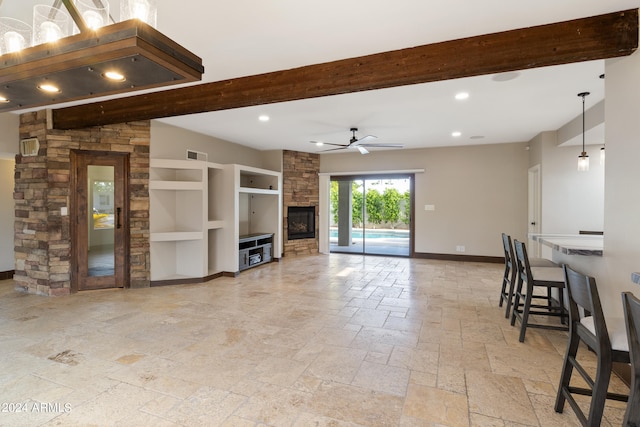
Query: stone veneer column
{"type": "Point", "coordinates": [301, 187]}
{"type": "Point", "coordinates": [42, 186]}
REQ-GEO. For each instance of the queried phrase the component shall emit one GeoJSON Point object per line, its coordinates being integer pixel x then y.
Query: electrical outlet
{"type": "Point", "coordinates": [460, 248]}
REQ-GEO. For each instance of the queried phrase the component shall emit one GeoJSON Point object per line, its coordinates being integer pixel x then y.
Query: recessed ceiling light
{"type": "Point", "coordinates": [263, 118]}
{"type": "Point", "coordinates": [456, 134]}
{"type": "Point", "coordinates": [319, 143]}
{"type": "Point", "coordinates": [462, 95]}
{"type": "Point", "coordinates": [4, 100]}
{"type": "Point", "coordinates": [49, 88]}
{"type": "Point", "coordinates": [114, 76]}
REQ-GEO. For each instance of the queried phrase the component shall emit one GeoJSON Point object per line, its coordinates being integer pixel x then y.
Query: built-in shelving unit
{"type": "Point", "coordinates": [258, 208]}
{"type": "Point", "coordinates": [176, 195]}
{"type": "Point", "coordinates": [199, 211]}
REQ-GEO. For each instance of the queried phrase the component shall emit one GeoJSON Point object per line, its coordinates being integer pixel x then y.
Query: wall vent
{"type": "Point", "coordinates": [196, 155]}
{"type": "Point", "coordinates": [29, 146]}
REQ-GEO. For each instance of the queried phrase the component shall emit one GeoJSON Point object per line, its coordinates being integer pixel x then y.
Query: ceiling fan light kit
{"type": "Point", "coordinates": [361, 144]}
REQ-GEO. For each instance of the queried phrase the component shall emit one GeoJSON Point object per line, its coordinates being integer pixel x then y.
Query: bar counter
{"type": "Point", "coordinates": [572, 244]}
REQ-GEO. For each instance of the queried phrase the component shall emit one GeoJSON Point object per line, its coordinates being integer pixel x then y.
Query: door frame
{"type": "Point", "coordinates": [382, 175]}
{"type": "Point", "coordinates": [534, 209]}
{"type": "Point", "coordinates": [121, 240]}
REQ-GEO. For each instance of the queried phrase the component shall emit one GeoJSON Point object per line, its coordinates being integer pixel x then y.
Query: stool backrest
{"type": "Point", "coordinates": [631, 306]}
{"type": "Point", "coordinates": [522, 261]}
{"type": "Point", "coordinates": [583, 294]}
{"type": "Point", "coordinates": [508, 253]}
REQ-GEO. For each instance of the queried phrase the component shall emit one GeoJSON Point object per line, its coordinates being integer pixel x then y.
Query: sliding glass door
{"type": "Point", "coordinates": [371, 215]}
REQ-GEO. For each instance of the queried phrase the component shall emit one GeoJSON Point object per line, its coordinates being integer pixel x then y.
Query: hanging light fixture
{"type": "Point", "coordinates": [102, 58]}
{"type": "Point", "coordinates": [583, 158]}
{"type": "Point", "coordinates": [602, 149]}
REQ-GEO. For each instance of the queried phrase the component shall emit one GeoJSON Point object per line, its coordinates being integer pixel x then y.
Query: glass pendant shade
{"type": "Point", "coordinates": [144, 10]}
{"type": "Point", "coordinates": [583, 162]}
{"type": "Point", "coordinates": [49, 24]}
{"type": "Point", "coordinates": [93, 15]}
{"type": "Point", "coordinates": [15, 35]}
{"type": "Point", "coordinates": [583, 158]}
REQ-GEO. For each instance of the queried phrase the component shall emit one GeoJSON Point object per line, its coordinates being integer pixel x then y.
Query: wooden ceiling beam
{"type": "Point", "coordinates": [599, 37]}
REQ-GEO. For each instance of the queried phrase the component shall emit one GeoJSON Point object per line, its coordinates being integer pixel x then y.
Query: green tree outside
{"type": "Point", "coordinates": [391, 214]}
{"type": "Point", "coordinates": [333, 197]}
{"type": "Point", "coordinates": [356, 204]}
{"type": "Point", "coordinates": [405, 210]}
{"type": "Point", "coordinates": [375, 206]}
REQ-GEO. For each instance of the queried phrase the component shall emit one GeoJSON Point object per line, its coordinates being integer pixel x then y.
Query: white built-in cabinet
{"type": "Point", "coordinates": [200, 210]}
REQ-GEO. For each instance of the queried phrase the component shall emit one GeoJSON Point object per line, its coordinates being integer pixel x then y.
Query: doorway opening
{"type": "Point", "coordinates": [372, 215]}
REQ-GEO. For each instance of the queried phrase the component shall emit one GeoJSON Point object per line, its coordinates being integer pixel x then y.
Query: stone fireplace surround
{"type": "Point", "coordinates": [301, 187]}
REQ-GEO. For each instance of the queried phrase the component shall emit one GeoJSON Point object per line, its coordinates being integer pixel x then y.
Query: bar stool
{"type": "Point", "coordinates": [537, 277]}
{"type": "Point", "coordinates": [511, 272]}
{"type": "Point", "coordinates": [607, 341]}
{"type": "Point", "coordinates": [631, 306]}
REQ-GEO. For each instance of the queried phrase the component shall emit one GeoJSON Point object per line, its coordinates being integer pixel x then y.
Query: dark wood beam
{"type": "Point", "coordinates": [600, 37]}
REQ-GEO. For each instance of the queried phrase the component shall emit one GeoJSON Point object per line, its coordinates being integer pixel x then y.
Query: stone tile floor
{"type": "Point", "coordinates": [339, 340]}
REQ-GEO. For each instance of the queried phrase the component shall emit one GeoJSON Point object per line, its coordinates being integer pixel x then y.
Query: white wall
{"type": "Point", "coordinates": [622, 175]}
{"type": "Point", "coordinates": [170, 142]}
{"type": "Point", "coordinates": [478, 193]}
{"type": "Point", "coordinates": [571, 200]}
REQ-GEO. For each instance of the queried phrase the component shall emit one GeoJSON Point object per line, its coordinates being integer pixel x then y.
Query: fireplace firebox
{"type": "Point", "coordinates": [301, 222]}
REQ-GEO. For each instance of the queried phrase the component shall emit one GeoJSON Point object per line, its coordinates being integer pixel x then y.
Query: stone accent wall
{"type": "Point", "coordinates": [301, 187]}
{"type": "Point", "coordinates": [42, 186]}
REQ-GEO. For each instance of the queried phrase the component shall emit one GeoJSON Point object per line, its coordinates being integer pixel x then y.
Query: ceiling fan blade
{"type": "Point", "coordinates": [365, 139]}
{"type": "Point", "coordinates": [333, 149]}
{"type": "Point", "coordinates": [381, 145]}
{"type": "Point", "coordinates": [362, 149]}
{"type": "Point", "coordinates": [320, 143]}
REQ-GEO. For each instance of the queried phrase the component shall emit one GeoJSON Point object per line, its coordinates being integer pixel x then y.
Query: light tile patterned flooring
{"type": "Point", "coordinates": [338, 340]}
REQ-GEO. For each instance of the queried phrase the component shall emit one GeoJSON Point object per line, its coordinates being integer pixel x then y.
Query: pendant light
{"type": "Point", "coordinates": [583, 158]}
{"type": "Point", "coordinates": [602, 154]}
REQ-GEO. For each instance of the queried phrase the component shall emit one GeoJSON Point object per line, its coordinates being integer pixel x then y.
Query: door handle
{"type": "Point", "coordinates": [533, 223]}
{"type": "Point", "coordinates": [118, 212]}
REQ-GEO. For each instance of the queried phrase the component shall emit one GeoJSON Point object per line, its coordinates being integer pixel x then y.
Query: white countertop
{"type": "Point", "coordinates": [572, 244]}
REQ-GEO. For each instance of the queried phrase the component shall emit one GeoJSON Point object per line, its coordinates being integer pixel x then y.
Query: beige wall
{"type": "Point", "coordinates": [478, 193]}
{"type": "Point", "coordinates": [170, 142]}
{"type": "Point", "coordinates": [622, 175]}
{"type": "Point", "coordinates": [9, 135]}
{"type": "Point", "coordinates": [571, 200]}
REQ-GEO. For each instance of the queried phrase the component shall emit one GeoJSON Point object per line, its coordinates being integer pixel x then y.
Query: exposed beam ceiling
{"type": "Point", "coordinates": [600, 37]}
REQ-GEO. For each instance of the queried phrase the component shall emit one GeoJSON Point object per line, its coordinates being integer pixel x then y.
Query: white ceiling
{"type": "Point", "coordinates": [246, 37]}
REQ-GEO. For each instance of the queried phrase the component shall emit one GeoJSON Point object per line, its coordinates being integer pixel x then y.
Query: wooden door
{"type": "Point", "coordinates": [99, 220]}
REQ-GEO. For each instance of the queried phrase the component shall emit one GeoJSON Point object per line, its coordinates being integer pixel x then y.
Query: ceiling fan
{"type": "Point", "coordinates": [361, 144]}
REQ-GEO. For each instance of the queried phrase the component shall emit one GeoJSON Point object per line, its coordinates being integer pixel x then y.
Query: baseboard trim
{"type": "Point", "coordinates": [6, 275]}
{"type": "Point", "coordinates": [463, 258]}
